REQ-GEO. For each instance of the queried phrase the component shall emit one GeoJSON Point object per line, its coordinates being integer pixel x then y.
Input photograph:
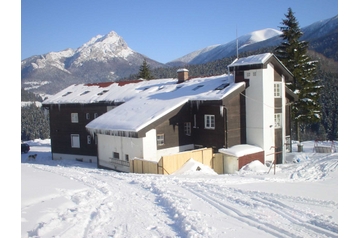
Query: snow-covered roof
{"type": "Point", "coordinates": [144, 101]}
{"type": "Point", "coordinates": [241, 150]}
{"type": "Point", "coordinates": [163, 96]}
{"type": "Point", "coordinates": [253, 59]}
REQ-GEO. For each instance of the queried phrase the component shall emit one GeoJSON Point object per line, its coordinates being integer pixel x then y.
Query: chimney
{"type": "Point", "coordinates": [183, 74]}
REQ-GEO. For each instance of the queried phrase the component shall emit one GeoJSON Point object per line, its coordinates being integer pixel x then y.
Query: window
{"type": "Point", "coordinates": [74, 117]}
{"type": "Point", "coordinates": [89, 139]}
{"type": "Point", "coordinates": [222, 86]}
{"type": "Point", "coordinates": [209, 122]}
{"type": "Point", "coordinates": [277, 90]}
{"type": "Point", "coordinates": [101, 93]}
{"type": "Point", "coordinates": [95, 115]}
{"type": "Point", "coordinates": [66, 94]}
{"type": "Point", "coordinates": [115, 155]}
{"type": "Point", "coordinates": [254, 73]}
{"type": "Point", "coordinates": [160, 139]}
{"type": "Point", "coordinates": [197, 87]}
{"type": "Point", "coordinates": [187, 128]}
{"type": "Point", "coordinates": [278, 120]}
{"type": "Point", "coordinates": [194, 121]}
{"type": "Point", "coordinates": [248, 74]}
{"type": "Point", "coordinates": [85, 92]}
{"type": "Point", "coordinates": [88, 116]}
{"type": "Point", "coordinates": [127, 157]}
{"type": "Point", "coordinates": [75, 141]}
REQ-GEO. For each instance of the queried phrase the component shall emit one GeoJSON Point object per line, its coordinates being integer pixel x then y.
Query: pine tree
{"type": "Point", "coordinates": [292, 53]}
{"type": "Point", "coordinates": [144, 71]}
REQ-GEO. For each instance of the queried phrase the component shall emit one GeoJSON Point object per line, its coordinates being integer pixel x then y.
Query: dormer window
{"type": "Point", "coordinates": [222, 86]}
{"type": "Point", "coordinates": [85, 92]}
{"type": "Point", "coordinates": [66, 94]}
{"type": "Point", "coordinates": [103, 92]}
{"type": "Point", "coordinates": [197, 87]}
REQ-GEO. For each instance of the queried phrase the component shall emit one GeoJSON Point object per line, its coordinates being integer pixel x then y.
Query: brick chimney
{"type": "Point", "coordinates": [183, 74]}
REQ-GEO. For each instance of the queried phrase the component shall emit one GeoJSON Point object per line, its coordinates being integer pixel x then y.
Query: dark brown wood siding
{"type": "Point", "coordinates": [172, 126]}
{"type": "Point", "coordinates": [211, 138]}
{"type": "Point", "coordinates": [235, 116]}
{"type": "Point", "coordinates": [278, 144]}
{"type": "Point", "coordinates": [61, 127]}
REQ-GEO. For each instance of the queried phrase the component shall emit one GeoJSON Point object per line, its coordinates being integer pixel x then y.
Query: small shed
{"type": "Point", "coordinates": [238, 156]}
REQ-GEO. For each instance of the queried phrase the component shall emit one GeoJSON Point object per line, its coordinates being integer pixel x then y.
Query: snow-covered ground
{"type": "Point", "coordinates": [74, 199]}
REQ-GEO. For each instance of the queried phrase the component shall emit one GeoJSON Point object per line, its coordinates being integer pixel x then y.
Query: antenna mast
{"type": "Point", "coordinates": [237, 45]}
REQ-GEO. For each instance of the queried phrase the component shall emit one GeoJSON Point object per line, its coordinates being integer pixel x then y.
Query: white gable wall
{"type": "Point", "coordinates": [260, 126]}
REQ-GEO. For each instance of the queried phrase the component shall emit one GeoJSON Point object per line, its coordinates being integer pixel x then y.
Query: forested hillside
{"type": "Point", "coordinates": [34, 120]}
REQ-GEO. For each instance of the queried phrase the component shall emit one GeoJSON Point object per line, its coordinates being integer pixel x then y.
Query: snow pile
{"type": "Point", "coordinates": [255, 166]}
{"type": "Point", "coordinates": [193, 167]}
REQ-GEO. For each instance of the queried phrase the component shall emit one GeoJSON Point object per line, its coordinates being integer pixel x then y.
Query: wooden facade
{"type": "Point", "coordinates": [62, 127]}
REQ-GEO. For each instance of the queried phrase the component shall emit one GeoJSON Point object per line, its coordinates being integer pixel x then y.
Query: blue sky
{"type": "Point", "coordinates": [161, 30]}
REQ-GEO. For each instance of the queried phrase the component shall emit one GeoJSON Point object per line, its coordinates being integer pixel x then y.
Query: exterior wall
{"type": "Point", "coordinates": [235, 118]}
{"type": "Point", "coordinates": [260, 109]}
{"type": "Point", "coordinates": [244, 160]}
{"type": "Point", "coordinates": [107, 144]}
{"type": "Point", "coordinates": [81, 158]}
{"type": "Point", "coordinates": [210, 138]}
{"type": "Point", "coordinates": [61, 128]}
{"type": "Point", "coordinates": [230, 164]}
{"type": "Point", "coordinates": [150, 146]}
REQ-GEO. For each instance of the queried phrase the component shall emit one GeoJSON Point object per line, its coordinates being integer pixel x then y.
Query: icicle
{"type": "Point", "coordinates": [221, 111]}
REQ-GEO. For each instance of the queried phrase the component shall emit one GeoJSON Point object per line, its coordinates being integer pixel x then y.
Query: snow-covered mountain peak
{"type": "Point", "coordinates": [101, 48]}
{"type": "Point", "coordinates": [264, 34]}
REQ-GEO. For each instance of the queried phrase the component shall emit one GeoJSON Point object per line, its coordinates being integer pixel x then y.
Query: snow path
{"type": "Point", "coordinates": [79, 200]}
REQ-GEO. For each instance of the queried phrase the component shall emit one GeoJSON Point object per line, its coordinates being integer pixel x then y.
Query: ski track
{"type": "Point", "coordinates": [98, 209]}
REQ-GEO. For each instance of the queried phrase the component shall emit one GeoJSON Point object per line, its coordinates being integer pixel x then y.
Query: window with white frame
{"type": "Point", "coordinates": [88, 116]}
{"type": "Point", "coordinates": [89, 140]}
{"type": "Point", "coordinates": [74, 117]}
{"type": "Point", "coordinates": [75, 140]}
{"type": "Point", "coordinates": [95, 115]}
{"type": "Point", "coordinates": [209, 122]}
{"type": "Point", "coordinates": [187, 128]}
{"type": "Point", "coordinates": [277, 90]}
{"type": "Point", "coordinates": [194, 121]}
{"type": "Point", "coordinates": [278, 120]}
{"type": "Point", "coordinates": [160, 139]}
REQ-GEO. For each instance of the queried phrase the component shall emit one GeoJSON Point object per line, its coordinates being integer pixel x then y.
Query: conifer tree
{"type": "Point", "coordinates": [144, 71]}
{"type": "Point", "coordinates": [292, 53]}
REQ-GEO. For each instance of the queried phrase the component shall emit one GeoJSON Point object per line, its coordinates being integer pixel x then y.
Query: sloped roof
{"type": "Point", "coordinates": [262, 59]}
{"type": "Point", "coordinates": [151, 100]}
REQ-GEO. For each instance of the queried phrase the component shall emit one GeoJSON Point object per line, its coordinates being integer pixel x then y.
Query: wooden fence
{"type": "Point", "coordinates": [170, 163]}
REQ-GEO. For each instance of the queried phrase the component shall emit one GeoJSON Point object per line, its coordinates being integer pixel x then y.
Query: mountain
{"type": "Point", "coordinates": [109, 58]}
{"type": "Point", "coordinates": [103, 58]}
{"type": "Point", "coordinates": [322, 36]}
{"type": "Point", "coordinates": [216, 52]}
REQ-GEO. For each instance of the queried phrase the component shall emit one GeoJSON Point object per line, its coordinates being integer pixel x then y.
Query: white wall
{"type": "Point", "coordinates": [108, 144]}
{"type": "Point", "coordinates": [260, 111]}
{"type": "Point", "coordinates": [231, 165]}
{"type": "Point", "coordinates": [150, 145]}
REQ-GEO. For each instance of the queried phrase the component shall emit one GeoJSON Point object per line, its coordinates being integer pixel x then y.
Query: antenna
{"type": "Point", "coordinates": [237, 45]}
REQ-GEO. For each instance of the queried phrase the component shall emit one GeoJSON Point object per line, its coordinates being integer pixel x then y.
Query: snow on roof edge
{"type": "Point", "coordinates": [241, 150]}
